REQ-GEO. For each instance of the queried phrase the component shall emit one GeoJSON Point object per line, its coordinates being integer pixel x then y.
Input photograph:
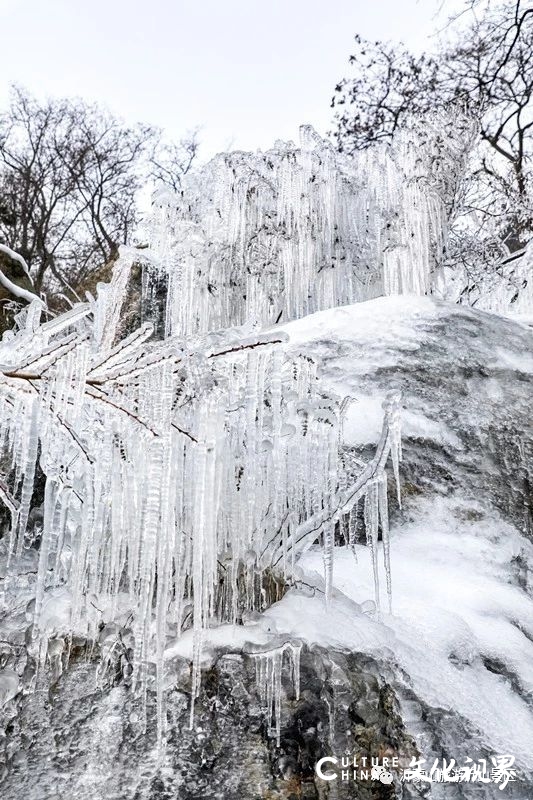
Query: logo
{"type": "Point", "coordinates": [499, 770]}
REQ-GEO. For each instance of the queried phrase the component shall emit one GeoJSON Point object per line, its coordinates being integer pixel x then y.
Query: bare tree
{"type": "Point", "coordinates": [484, 66]}
{"type": "Point", "coordinates": [171, 161]}
{"type": "Point", "coordinates": [70, 174]}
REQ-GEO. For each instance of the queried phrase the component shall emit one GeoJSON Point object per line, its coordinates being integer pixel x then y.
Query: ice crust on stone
{"type": "Point", "coordinates": [461, 624]}
{"type": "Point", "coordinates": [456, 609]}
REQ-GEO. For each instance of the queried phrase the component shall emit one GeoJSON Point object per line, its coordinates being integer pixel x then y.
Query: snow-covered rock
{"type": "Point", "coordinates": [448, 673]}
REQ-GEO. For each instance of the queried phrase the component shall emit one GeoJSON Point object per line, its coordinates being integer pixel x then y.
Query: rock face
{"type": "Point", "coordinates": [447, 675]}
{"type": "Point", "coordinates": [466, 379]}
{"type": "Point", "coordinates": [73, 740]}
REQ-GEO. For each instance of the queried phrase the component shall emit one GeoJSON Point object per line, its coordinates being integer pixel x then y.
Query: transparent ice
{"type": "Point", "coordinates": [278, 235]}
{"type": "Point", "coordinates": [181, 472]}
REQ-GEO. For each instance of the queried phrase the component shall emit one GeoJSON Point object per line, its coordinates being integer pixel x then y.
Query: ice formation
{"type": "Point", "coordinates": [278, 235]}
{"type": "Point", "coordinates": [178, 472]}
{"type": "Point", "coordinates": [189, 460]}
{"type": "Point", "coordinates": [507, 290]}
{"type": "Point", "coordinates": [269, 666]}
{"type": "Point", "coordinates": [15, 257]}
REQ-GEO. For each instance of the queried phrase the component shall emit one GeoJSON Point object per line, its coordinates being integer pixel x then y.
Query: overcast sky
{"type": "Point", "coordinates": [247, 72]}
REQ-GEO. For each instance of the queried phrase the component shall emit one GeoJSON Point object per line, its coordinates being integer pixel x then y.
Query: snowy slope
{"type": "Point", "coordinates": [461, 633]}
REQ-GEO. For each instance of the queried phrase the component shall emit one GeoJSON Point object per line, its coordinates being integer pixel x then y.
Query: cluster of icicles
{"type": "Point", "coordinates": [268, 673]}
{"type": "Point", "coordinates": [178, 472]}
{"type": "Point", "coordinates": [183, 472]}
{"type": "Point", "coordinates": [282, 234]}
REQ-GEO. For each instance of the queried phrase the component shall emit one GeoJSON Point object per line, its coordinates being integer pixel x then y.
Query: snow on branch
{"type": "Point", "coordinates": [15, 257]}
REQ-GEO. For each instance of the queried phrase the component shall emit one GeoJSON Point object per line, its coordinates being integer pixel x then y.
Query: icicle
{"type": "Point", "coordinates": [296, 652]}
{"type": "Point", "coordinates": [331, 719]}
{"type": "Point", "coordinates": [371, 525]}
{"type": "Point", "coordinates": [353, 528]}
{"type": "Point", "coordinates": [392, 410]}
{"type": "Point", "coordinates": [268, 674]}
{"type": "Point", "coordinates": [295, 230]}
{"type": "Point", "coordinates": [204, 552]}
{"type": "Point", "coordinates": [384, 520]}
{"type": "Point", "coordinates": [328, 555]}
{"type": "Point", "coordinates": [29, 460]}
{"type": "Point", "coordinates": [50, 507]}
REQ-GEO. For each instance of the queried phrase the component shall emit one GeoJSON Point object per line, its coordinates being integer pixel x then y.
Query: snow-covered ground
{"type": "Point", "coordinates": [456, 608]}
{"type": "Point", "coordinates": [461, 632]}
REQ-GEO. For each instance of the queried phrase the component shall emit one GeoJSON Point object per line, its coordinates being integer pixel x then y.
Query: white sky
{"type": "Point", "coordinates": [247, 72]}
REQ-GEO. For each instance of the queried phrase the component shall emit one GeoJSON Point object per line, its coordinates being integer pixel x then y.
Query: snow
{"type": "Point", "coordinates": [383, 318]}
{"type": "Point", "coordinates": [340, 626]}
{"type": "Point", "coordinates": [233, 637]}
{"type": "Point", "coordinates": [522, 362]}
{"type": "Point", "coordinates": [363, 418]}
{"type": "Point", "coordinates": [15, 257]}
{"type": "Point", "coordinates": [18, 291]}
{"type": "Point", "coordinates": [455, 604]}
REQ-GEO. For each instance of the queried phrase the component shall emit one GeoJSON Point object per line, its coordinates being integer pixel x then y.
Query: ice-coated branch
{"type": "Point", "coordinates": [7, 497]}
{"type": "Point", "coordinates": [370, 485]}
